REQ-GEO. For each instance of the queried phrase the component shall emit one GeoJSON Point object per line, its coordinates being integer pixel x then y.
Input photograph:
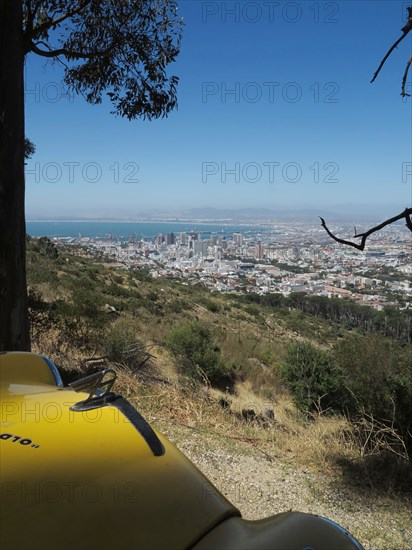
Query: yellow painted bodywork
{"type": "Point", "coordinates": [89, 479]}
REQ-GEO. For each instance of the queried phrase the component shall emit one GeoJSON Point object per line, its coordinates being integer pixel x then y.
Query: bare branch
{"type": "Point", "coordinates": [408, 221]}
{"type": "Point", "coordinates": [405, 76]}
{"type": "Point", "coordinates": [68, 53]}
{"type": "Point", "coordinates": [51, 23]}
{"type": "Point", "coordinates": [363, 236]}
{"type": "Point", "coordinates": [378, 436]}
{"type": "Point", "coordinates": [55, 53]}
{"type": "Point", "coordinates": [405, 31]}
{"type": "Point", "coordinates": [388, 54]}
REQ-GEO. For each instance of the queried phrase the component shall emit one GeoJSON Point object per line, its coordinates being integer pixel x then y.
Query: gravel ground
{"type": "Point", "coordinates": [260, 488]}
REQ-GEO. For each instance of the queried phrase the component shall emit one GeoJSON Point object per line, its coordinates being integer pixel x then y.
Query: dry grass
{"type": "Point", "coordinates": [51, 344]}
{"type": "Point", "coordinates": [314, 444]}
{"type": "Point", "coordinates": [329, 444]}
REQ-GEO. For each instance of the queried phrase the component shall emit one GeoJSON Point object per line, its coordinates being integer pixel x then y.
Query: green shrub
{"type": "Point", "coordinates": [197, 354]}
{"type": "Point", "coordinates": [82, 318]}
{"type": "Point", "coordinates": [177, 306]}
{"type": "Point", "coordinates": [141, 274]}
{"type": "Point", "coordinates": [152, 295]}
{"type": "Point", "coordinates": [40, 314]}
{"type": "Point", "coordinates": [366, 377]}
{"type": "Point", "coordinates": [253, 310]}
{"type": "Point", "coordinates": [122, 345]}
{"type": "Point", "coordinates": [115, 290]}
{"type": "Point", "coordinates": [315, 382]}
{"type": "Point", "coordinates": [210, 305]}
{"type": "Point", "coordinates": [46, 247]}
{"type": "Point", "coordinates": [378, 375]}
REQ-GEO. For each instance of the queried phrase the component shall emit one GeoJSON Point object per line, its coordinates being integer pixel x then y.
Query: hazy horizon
{"type": "Point", "coordinates": [263, 214]}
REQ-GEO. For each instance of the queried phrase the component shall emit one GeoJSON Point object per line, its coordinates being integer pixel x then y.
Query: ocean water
{"type": "Point", "coordinates": [123, 230]}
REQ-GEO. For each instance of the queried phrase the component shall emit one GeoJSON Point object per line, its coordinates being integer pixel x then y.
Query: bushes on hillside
{"type": "Point", "coordinates": [210, 305]}
{"type": "Point", "coordinates": [363, 376]}
{"type": "Point", "coordinates": [391, 322]}
{"type": "Point", "coordinates": [378, 375]}
{"type": "Point", "coordinates": [315, 381]}
{"type": "Point", "coordinates": [197, 355]}
{"type": "Point", "coordinates": [44, 246]}
{"type": "Point", "coordinates": [42, 261]}
{"type": "Point", "coordinates": [82, 317]}
{"type": "Point", "coordinates": [122, 345]}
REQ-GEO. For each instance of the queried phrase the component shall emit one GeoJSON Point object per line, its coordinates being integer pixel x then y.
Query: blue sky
{"type": "Point", "coordinates": [275, 111]}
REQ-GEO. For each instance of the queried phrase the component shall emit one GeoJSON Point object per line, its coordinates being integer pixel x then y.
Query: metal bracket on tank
{"type": "Point", "coordinates": [99, 390]}
{"type": "Point", "coordinates": [100, 395]}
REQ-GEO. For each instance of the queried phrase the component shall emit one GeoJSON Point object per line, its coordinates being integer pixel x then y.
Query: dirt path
{"type": "Point", "coordinates": [260, 488]}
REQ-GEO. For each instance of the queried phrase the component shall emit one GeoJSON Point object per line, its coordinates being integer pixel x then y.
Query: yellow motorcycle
{"type": "Point", "coordinates": [82, 469]}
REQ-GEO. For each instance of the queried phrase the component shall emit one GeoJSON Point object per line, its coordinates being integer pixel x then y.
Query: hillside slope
{"type": "Point", "coordinates": [243, 429]}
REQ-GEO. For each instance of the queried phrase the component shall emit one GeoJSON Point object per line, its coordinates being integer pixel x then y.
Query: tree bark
{"type": "Point", "coordinates": [14, 324]}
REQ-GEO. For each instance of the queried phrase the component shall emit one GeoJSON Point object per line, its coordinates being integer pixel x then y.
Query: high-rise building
{"type": "Point", "coordinates": [259, 251]}
{"type": "Point", "coordinates": [201, 247]}
{"type": "Point", "coordinates": [238, 239]}
{"type": "Point", "coordinates": [193, 238]}
{"type": "Point", "coordinates": [170, 238]}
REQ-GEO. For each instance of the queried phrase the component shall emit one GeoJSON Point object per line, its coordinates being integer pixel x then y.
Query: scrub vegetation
{"type": "Point", "coordinates": [253, 374]}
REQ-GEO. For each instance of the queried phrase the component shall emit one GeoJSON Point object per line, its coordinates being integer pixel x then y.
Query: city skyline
{"type": "Point", "coordinates": [284, 258]}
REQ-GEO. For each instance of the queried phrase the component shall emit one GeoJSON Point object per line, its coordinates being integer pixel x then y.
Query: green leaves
{"type": "Point", "coordinates": [198, 356]}
{"type": "Point", "coordinates": [363, 375]}
{"type": "Point", "coordinates": [117, 47]}
{"type": "Point", "coordinates": [122, 345]}
{"type": "Point", "coordinates": [314, 380]}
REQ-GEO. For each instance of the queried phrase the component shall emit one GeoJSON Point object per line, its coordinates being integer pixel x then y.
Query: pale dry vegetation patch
{"type": "Point", "coordinates": [314, 444]}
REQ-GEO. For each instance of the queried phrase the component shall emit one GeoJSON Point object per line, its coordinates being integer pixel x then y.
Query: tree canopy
{"type": "Point", "coordinates": [117, 47]}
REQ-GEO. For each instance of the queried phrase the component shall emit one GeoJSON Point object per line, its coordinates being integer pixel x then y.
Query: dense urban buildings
{"type": "Point", "coordinates": [284, 258]}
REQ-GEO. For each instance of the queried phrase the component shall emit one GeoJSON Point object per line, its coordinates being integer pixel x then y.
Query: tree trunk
{"type": "Point", "coordinates": [14, 324]}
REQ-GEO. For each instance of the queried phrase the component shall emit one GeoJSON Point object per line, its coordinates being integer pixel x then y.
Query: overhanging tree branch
{"type": "Point", "coordinates": [407, 213]}
{"type": "Point", "coordinates": [405, 31]}
{"type": "Point", "coordinates": [408, 221]}
{"type": "Point", "coordinates": [67, 53]}
{"type": "Point", "coordinates": [405, 76]}
{"type": "Point", "coordinates": [395, 45]}
{"type": "Point", "coordinates": [53, 23]}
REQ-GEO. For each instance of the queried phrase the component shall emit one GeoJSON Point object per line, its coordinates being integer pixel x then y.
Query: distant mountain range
{"type": "Point", "coordinates": [247, 215]}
